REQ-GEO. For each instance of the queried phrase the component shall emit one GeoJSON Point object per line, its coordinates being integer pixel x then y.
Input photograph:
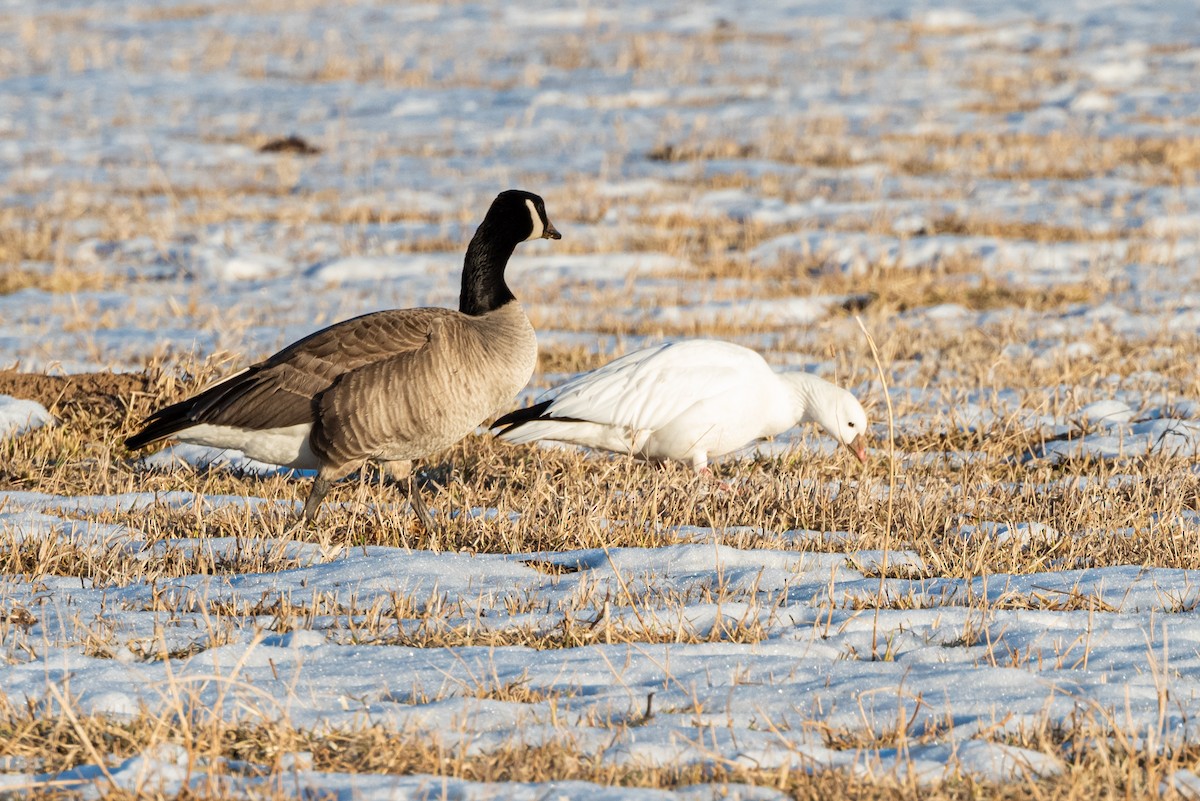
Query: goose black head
{"type": "Point", "coordinates": [515, 216]}
{"type": "Point", "coordinates": [522, 211]}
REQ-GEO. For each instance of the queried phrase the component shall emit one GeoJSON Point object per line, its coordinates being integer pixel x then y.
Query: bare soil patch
{"type": "Point", "coordinates": [66, 396]}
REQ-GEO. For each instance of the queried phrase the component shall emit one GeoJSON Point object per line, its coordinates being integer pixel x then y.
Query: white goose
{"type": "Point", "coordinates": [688, 401]}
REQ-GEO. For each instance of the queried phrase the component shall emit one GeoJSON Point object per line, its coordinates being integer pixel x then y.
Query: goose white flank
{"type": "Point", "coordinates": [389, 387]}
{"type": "Point", "coordinates": [689, 401]}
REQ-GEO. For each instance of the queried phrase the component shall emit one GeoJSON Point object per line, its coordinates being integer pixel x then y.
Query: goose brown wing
{"type": "Point", "coordinates": [279, 391]}
{"type": "Point", "coordinates": [410, 404]}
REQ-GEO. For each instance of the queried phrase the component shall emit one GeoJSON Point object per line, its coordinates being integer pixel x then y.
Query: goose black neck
{"type": "Point", "coordinates": [483, 287]}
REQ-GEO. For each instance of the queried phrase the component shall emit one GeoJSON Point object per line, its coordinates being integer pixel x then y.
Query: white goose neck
{"type": "Point", "coordinates": [816, 400]}
{"type": "Point", "coordinates": [806, 391]}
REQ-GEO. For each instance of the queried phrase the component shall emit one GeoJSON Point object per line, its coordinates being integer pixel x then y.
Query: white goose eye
{"type": "Point", "coordinates": [850, 424]}
{"type": "Point", "coordinates": [538, 228]}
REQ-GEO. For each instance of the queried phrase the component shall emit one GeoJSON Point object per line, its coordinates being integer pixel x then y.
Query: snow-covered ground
{"type": "Point", "coordinates": [133, 130]}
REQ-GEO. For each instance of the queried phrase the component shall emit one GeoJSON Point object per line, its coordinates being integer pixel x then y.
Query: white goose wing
{"type": "Point", "coordinates": [647, 389]}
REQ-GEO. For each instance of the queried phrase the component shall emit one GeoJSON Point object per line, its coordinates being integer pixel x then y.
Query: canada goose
{"type": "Point", "coordinates": [386, 387]}
{"type": "Point", "coordinates": [687, 401]}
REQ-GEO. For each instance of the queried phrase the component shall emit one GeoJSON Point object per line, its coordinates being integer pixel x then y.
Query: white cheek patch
{"type": "Point", "coordinates": [538, 228]}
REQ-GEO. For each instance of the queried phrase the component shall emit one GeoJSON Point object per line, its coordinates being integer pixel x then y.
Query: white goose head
{"type": "Point", "coordinates": [832, 408]}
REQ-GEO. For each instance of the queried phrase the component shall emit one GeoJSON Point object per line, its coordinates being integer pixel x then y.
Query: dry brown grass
{"type": "Point", "coordinates": [1060, 155]}
{"type": "Point", "coordinates": [31, 235]}
{"type": "Point", "coordinates": [905, 290]}
{"type": "Point", "coordinates": [570, 359]}
{"type": "Point", "coordinates": [1029, 230]}
{"type": "Point", "coordinates": [56, 280]}
{"type": "Point", "coordinates": [54, 738]}
{"type": "Point", "coordinates": [21, 240]}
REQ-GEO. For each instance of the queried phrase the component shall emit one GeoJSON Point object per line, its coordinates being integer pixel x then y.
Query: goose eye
{"type": "Point", "coordinates": [850, 424]}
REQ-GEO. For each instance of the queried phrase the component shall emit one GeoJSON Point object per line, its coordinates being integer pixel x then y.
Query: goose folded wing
{"type": "Point", "coordinates": [280, 391]}
{"type": "Point", "coordinates": [645, 397]}
{"type": "Point", "coordinates": [403, 403]}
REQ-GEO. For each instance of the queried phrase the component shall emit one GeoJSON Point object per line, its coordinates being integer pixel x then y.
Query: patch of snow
{"type": "Point", "coordinates": [1105, 413]}
{"type": "Point", "coordinates": [1118, 73]}
{"type": "Point", "coordinates": [18, 416]}
{"type": "Point", "coordinates": [1091, 101]}
{"type": "Point", "coordinates": [945, 19]}
{"type": "Point", "coordinates": [1184, 782]}
{"type": "Point", "coordinates": [593, 267]}
{"type": "Point", "coordinates": [1175, 438]}
{"type": "Point", "coordinates": [250, 267]}
{"type": "Point", "coordinates": [377, 268]}
{"type": "Point", "coordinates": [1021, 533]}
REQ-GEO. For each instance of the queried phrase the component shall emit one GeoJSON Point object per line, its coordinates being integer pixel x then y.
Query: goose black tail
{"type": "Point", "coordinates": [520, 417]}
{"type": "Point", "coordinates": [163, 424]}
{"type": "Point", "coordinates": [187, 413]}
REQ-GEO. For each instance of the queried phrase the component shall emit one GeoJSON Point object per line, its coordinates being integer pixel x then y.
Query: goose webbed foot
{"type": "Point", "coordinates": [713, 484]}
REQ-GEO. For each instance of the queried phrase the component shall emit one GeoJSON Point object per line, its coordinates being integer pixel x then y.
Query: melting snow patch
{"type": "Point", "coordinates": [805, 536]}
{"type": "Point", "coordinates": [162, 770]}
{"type": "Point", "coordinates": [249, 267]}
{"type": "Point", "coordinates": [1105, 413]}
{"type": "Point", "coordinates": [1091, 101]}
{"type": "Point", "coordinates": [597, 267]}
{"type": "Point", "coordinates": [21, 527]}
{"type": "Point", "coordinates": [1184, 782]}
{"type": "Point", "coordinates": [115, 704]}
{"type": "Point", "coordinates": [300, 638]}
{"type": "Point", "coordinates": [780, 311]}
{"type": "Point", "coordinates": [125, 502]}
{"type": "Point", "coordinates": [694, 534]}
{"type": "Point", "coordinates": [1118, 73]}
{"type": "Point", "coordinates": [998, 762]}
{"type": "Point", "coordinates": [945, 19]}
{"type": "Point", "coordinates": [1176, 438]}
{"type": "Point", "coordinates": [1023, 533]}
{"type": "Point", "coordinates": [853, 253]}
{"type": "Point", "coordinates": [873, 561]}
{"type": "Point", "coordinates": [374, 268]}
{"type": "Point", "coordinates": [946, 311]}
{"type": "Point", "coordinates": [482, 513]}
{"type": "Point", "coordinates": [18, 416]}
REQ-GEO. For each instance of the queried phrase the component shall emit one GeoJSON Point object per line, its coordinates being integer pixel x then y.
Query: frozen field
{"type": "Point", "coordinates": [1006, 197]}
